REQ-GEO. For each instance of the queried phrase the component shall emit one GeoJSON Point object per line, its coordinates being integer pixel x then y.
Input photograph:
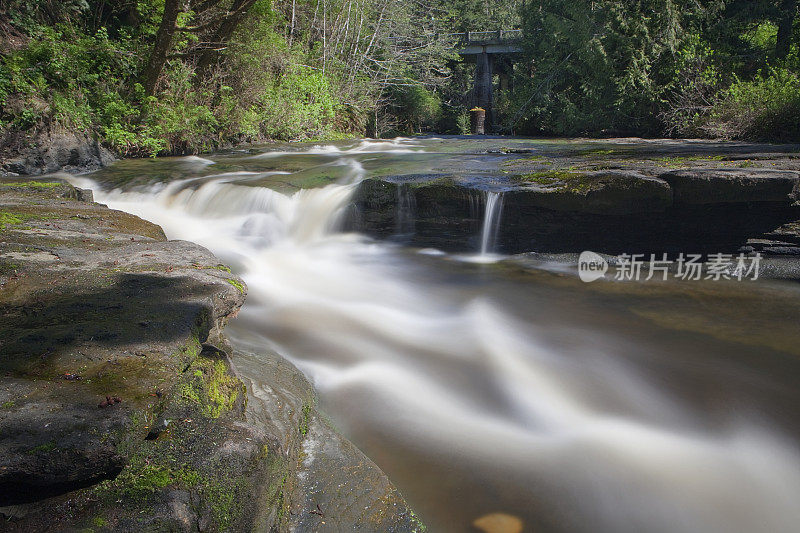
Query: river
{"type": "Point", "coordinates": [482, 385]}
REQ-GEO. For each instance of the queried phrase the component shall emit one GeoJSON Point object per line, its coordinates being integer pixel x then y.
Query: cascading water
{"type": "Point", "coordinates": [406, 205]}
{"type": "Point", "coordinates": [491, 222]}
{"type": "Point", "coordinates": [530, 397]}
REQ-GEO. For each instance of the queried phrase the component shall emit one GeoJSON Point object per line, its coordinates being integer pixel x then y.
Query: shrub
{"type": "Point", "coordinates": [298, 104]}
{"type": "Point", "coordinates": [767, 108]}
{"type": "Point", "coordinates": [696, 86]}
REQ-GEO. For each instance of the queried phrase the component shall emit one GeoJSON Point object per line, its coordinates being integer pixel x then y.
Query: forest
{"type": "Point", "coordinates": [149, 77]}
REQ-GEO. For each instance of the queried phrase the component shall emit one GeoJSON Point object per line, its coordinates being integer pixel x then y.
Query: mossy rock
{"type": "Point", "coordinates": [602, 192]}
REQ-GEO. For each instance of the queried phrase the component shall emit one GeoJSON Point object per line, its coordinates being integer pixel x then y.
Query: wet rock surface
{"type": "Point", "coordinates": [670, 197]}
{"type": "Point", "coordinates": [327, 483]}
{"type": "Point", "coordinates": [120, 406]}
{"type": "Point", "coordinates": [338, 488]}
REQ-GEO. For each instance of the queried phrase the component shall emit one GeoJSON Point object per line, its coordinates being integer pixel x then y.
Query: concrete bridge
{"type": "Point", "coordinates": [494, 53]}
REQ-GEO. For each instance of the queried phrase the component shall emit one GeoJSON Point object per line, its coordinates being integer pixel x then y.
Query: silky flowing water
{"type": "Point", "coordinates": [494, 386]}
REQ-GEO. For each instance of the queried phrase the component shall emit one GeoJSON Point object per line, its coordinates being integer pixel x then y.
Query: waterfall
{"type": "Point", "coordinates": [491, 222]}
{"type": "Point", "coordinates": [218, 213]}
{"type": "Point", "coordinates": [511, 389]}
{"type": "Point", "coordinates": [406, 206]}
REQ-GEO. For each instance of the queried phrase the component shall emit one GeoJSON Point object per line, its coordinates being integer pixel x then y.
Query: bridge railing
{"type": "Point", "coordinates": [472, 36]}
{"type": "Point", "coordinates": [485, 35]}
{"type": "Point", "coordinates": [467, 37]}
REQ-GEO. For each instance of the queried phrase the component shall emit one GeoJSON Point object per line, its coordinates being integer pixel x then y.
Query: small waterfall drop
{"type": "Point", "coordinates": [406, 207]}
{"type": "Point", "coordinates": [491, 222]}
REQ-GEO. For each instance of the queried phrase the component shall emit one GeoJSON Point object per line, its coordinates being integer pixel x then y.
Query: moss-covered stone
{"type": "Point", "coordinates": [32, 184]}
{"type": "Point", "coordinates": [238, 284]}
{"type": "Point", "coordinates": [7, 219]}
{"type": "Point", "coordinates": [564, 179]}
{"type": "Point", "coordinates": [118, 404]}
{"type": "Point", "coordinates": [211, 387]}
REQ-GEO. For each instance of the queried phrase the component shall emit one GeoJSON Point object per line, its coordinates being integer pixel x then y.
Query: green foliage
{"type": "Point", "coordinates": [299, 103]}
{"type": "Point", "coordinates": [659, 67]}
{"type": "Point", "coordinates": [762, 35]}
{"type": "Point", "coordinates": [599, 66]}
{"type": "Point", "coordinates": [418, 106]}
{"type": "Point", "coordinates": [766, 108]}
{"type": "Point", "coordinates": [301, 69]}
{"type": "Point", "coordinates": [67, 78]}
{"type": "Point", "coordinates": [71, 76]}
{"type": "Point", "coordinates": [696, 80]}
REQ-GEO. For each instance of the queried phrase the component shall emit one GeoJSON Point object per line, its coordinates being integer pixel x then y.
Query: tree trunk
{"type": "Point", "coordinates": [161, 47]}
{"type": "Point", "coordinates": [224, 32]}
{"type": "Point", "coordinates": [785, 26]}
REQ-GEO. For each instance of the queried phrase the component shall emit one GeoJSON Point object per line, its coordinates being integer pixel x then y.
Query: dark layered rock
{"type": "Point", "coordinates": [70, 152]}
{"type": "Point", "coordinates": [732, 186]}
{"type": "Point", "coordinates": [122, 406]}
{"type": "Point", "coordinates": [701, 210]}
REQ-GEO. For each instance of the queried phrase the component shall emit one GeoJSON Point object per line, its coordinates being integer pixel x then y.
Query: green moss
{"type": "Point", "coordinates": [149, 476]}
{"type": "Point", "coordinates": [211, 387]}
{"type": "Point", "coordinates": [99, 521]}
{"type": "Point", "coordinates": [142, 479]}
{"type": "Point", "coordinates": [678, 162]}
{"type": "Point", "coordinates": [188, 392]}
{"type": "Point", "coordinates": [239, 286]}
{"type": "Point", "coordinates": [416, 523]}
{"type": "Point", "coordinates": [705, 158]}
{"type": "Point", "coordinates": [549, 177]}
{"type": "Point", "coordinates": [190, 350]}
{"type": "Point", "coordinates": [448, 181]}
{"type": "Point", "coordinates": [42, 448]}
{"type": "Point", "coordinates": [8, 219]}
{"type": "Point", "coordinates": [32, 184]}
{"type": "Point", "coordinates": [560, 180]}
{"type": "Point", "coordinates": [305, 420]}
{"type": "Point", "coordinates": [124, 375]}
{"type": "Point", "coordinates": [8, 405]}
{"type": "Point", "coordinates": [222, 497]}
{"type": "Point", "coordinates": [596, 151]}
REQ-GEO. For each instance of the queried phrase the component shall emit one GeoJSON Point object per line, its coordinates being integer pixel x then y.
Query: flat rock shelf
{"type": "Point", "coordinates": [121, 402]}
{"type": "Point", "coordinates": [613, 211]}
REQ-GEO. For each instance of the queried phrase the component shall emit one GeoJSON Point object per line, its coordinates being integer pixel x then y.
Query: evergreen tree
{"type": "Point", "coordinates": [602, 66]}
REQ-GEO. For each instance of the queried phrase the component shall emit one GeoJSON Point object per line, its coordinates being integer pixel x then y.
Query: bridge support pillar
{"type": "Point", "coordinates": [482, 92]}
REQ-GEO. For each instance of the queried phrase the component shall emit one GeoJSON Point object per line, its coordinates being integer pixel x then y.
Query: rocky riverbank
{"type": "Point", "coordinates": [122, 406]}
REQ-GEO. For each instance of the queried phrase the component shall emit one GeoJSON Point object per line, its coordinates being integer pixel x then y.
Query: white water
{"type": "Point", "coordinates": [466, 379]}
{"type": "Point", "coordinates": [491, 222]}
